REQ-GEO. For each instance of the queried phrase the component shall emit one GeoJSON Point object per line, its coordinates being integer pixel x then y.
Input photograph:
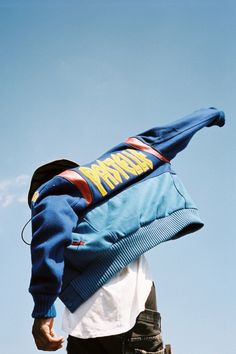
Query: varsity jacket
{"type": "Point", "coordinates": [90, 221]}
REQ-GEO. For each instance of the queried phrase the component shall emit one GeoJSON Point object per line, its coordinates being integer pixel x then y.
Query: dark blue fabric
{"type": "Point", "coordinates": [173, 138]}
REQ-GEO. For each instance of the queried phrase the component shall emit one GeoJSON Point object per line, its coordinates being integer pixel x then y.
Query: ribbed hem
{"type": "Point", "coordinates": [44, 306]}
{"type": "Point", "coordinates": [124, 251]}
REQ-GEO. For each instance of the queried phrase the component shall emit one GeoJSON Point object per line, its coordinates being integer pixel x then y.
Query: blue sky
{"type": "Point", "coordinates": [78, 77]}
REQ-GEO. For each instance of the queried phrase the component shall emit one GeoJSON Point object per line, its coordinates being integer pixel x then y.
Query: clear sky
{"type": "Point", "coordinates": [78, 77]}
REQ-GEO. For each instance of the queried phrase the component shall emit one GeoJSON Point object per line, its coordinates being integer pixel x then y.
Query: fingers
{"type": "Point", "coordinates": [48, 344]}
{"type": "Point", "coordinates": [44, 336]}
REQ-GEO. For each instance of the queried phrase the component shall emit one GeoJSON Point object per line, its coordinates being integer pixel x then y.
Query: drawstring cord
{"type": "Point", "coordinates": [22, 233]}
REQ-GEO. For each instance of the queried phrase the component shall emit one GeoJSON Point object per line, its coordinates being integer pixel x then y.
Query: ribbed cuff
{"type": "Point", "coordinates": [44, 306]}
{"type": "Point", "coordinates": [219, 120]}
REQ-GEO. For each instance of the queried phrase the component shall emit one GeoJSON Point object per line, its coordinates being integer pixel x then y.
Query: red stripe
{"type": "Point", "coordinates": [80, 183]}
{"type": "Point", "coordinates": [145, 147]}
{"type": "Point", "coordinates": [78, 243]}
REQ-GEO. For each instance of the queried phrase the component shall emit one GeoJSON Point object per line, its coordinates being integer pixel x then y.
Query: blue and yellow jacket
{"type": "Point", "coordinates": [90, 221]}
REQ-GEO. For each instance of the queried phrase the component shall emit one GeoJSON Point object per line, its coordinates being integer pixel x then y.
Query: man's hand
{"type": "Point", "coordinates": [44, 336]}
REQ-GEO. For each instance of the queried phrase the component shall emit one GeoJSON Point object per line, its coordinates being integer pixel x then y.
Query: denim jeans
{"type": "Point", "coordinates": [143, 338]}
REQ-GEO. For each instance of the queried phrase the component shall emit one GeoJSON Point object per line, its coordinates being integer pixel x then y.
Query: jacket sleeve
{"type": "Point", "coordinates": [53, 220]}
{"type": "Point", "coordinates": [173, 138]}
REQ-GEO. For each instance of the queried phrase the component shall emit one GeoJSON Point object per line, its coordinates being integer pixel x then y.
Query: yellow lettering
{"type": "Point", "coordinates": [138, 166]}
{"type": "Point", "coordinates": [147, 163]}
{"type": "Point", "coordinates": [109, 176]}
{"type": "Point", "coordinates": [124, 163]}
{"type": "Point", "coordinates": [94, 178]}
{"type": "Point", "coordinates": [111, 170]}
{"type": "Point", "coordinates": [111, 162]}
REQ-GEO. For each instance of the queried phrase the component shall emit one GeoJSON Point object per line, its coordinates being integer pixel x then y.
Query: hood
{"type": "Point", "coordinates": [45, 172]}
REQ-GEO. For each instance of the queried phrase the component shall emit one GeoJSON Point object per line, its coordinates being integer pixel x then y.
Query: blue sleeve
{"type": "Point", "coordinates": [173, 138]}
{"type": "Point", "coordinates": [53, 220]}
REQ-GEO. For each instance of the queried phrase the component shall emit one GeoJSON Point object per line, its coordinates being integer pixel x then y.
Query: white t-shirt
{"type": "Point", "coordinates": [114, 307]}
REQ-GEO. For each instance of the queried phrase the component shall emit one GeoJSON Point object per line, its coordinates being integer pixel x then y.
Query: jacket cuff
{"type": "Point", "coordinates": [44, 306]}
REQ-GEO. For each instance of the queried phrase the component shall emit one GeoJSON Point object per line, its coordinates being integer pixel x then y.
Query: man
{"type": "Point", "coordinates": [92, 225]}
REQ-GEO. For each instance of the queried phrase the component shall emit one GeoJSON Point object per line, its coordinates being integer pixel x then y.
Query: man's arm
{"type": "Point", "coordinates": [53, 220]}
